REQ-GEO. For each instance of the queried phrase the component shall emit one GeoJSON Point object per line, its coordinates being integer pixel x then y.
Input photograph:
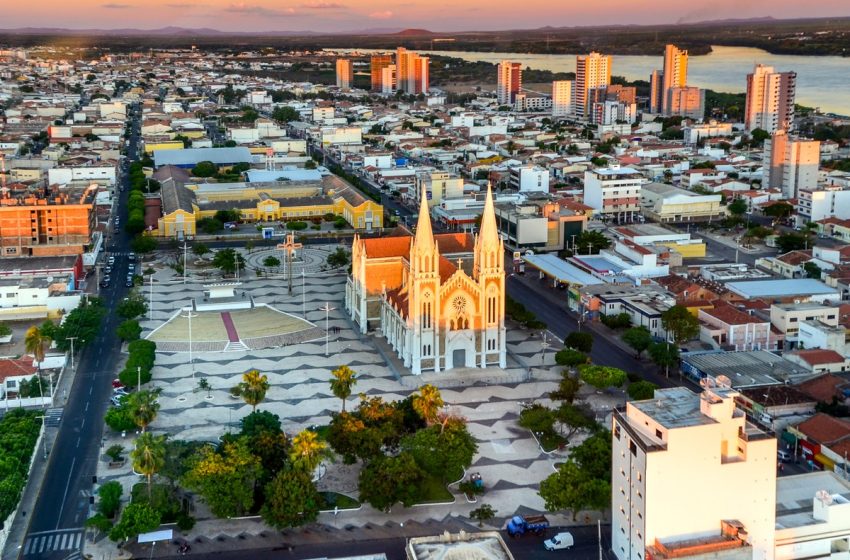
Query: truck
{"type": "Point", "coordinates": [523, 524]}
{"type": "Point", "coordinates": [560, 541]}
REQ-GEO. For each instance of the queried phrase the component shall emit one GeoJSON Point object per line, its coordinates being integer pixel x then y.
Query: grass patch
{"type": "Point", "coordinates": [551, 441]}
{"type": "Point", "coordinates": [341, 501]}
{"type": "Point", "coordinates": [322, 431]}
{"type": "Point", "coordinates": [433, 490]}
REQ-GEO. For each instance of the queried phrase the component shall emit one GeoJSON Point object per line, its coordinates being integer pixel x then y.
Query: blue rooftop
{"type": "Point", "coordinates": [288, 174]}
{"type": "Point", "coordinates": [781, 288]}
{"type": "Point", "coordinates": [561, 270]}
{"type": "Point", "coordinates": [192, 156]}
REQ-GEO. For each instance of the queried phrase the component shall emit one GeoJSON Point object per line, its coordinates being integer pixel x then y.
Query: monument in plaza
{"type": "Point", "coordinates": [438, 299]}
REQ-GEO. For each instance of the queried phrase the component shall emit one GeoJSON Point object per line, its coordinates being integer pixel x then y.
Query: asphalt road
{"type": "Point", "coordinates": [63, 502]}
{"type": "Point", "coordinates": [526, 548]}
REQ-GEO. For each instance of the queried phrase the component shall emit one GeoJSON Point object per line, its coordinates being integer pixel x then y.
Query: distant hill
{"type": "Point", "coordinates": [170, 31]}
{"type": "Point", "coordinates": [414, 33]}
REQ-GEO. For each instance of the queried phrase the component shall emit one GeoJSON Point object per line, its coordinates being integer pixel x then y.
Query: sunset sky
{"type": "Point", "coordinates": [436, 15]}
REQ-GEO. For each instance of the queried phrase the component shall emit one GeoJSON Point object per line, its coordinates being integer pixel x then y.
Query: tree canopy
{"type": "Point", "coordinates": [602, 377]}
{"type": "Point", "coordinates": [680, 323]}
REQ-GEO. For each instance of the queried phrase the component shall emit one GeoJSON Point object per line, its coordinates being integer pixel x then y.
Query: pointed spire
{"type": "Point", "coordinates": [424, 235]}
{"type": "Point", "coordinates": [488, 235]}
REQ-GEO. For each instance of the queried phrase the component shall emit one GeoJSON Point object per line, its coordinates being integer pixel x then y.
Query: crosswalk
{"type": "Point", "coordinates": [53, 417]}
{"type": "Point", "coordinates": [51, 541]}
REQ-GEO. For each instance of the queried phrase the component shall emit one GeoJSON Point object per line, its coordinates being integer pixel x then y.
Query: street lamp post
{"type": "Point", "coordinates": [303, 294]}
{"type": "Point", "coordinates": [327, 309]}
{"type": "Point", "coordinates": [72, 339]}
{"type": "Point", "coordinates": [545, 344]}
{"type": "Point", "coordinates": [189, 316]}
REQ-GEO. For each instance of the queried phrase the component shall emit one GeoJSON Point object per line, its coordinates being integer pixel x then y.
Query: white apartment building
{"type": "Point", "coordinates": [562, 98]}
{"type": "Point", "coordinates": [343, 135]}
{"type": "Point", "coordinates": [389, 79]}
{"type": "Point", "coordinates": [530, 178]}
{"type": "Point", "coordinates": [816, 204]}
{"type": "Point", "coordinates": [509, 82]}
{"type": "Point", "coordinates": [688, 466]}
{"type": "Point", "coordinates": [614, 192]}
{"type": "Point", "coordinates": [787, 318]}
{"type": "Point", "coordinates": [770, 99]}
{"type": "Point", "coordinates": [612, 112]}
{"type": "Point", "coordinates": [100, 174]}
{"type": "Point", "coordinates": [712, 129]}
{"type": "Point", "coordinates": [791, 164]}
{"type": "Point", "coordinates": [592, 71]}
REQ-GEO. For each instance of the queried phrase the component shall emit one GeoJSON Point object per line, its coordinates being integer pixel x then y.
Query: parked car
{"type": "Point", "coordinates": [129, 282]}
{"type": "Point", "coordinates": [560, 541]}
{"type": "Point", "coordinates": [116, 384]}
{"type": "Point", "coordinates": [131, 257]}
{"type": "Point", "coordinates": [120, 392]}
{"type": "Point", "coordinates": [117, 400]}
{"type": "Point", "coordinates": [111, 260]}
{"type": "Point", "coordinates": [105, 282]}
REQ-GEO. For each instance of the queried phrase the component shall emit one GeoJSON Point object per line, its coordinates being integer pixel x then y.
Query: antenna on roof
{"type": "Point", "coordinates": [723, 382]}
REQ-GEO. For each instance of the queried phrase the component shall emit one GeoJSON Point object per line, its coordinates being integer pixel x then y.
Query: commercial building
{"type": "Point", "coordinates": [661, 449]}
{"type": "Point", "coordinates": [643, 304]}
{"type": "Point", "coordinates": [688, 102]}
{"type": "Point", "coordinates": [438, 186]}
{"type": "Point", "coordinates": [592, 71]}
{"type": "Point", "coordinates": [696, 132]}
{"type": "Point", "coordinates": [770, 99]}
{"type": "Point", "coordinates": [377, 64]}
{"type": "Point", "coordinates": [614, 192]}
{"type": "Point", "coordinates": [344, 73]}
{"type": "Point", "coordinates": [743, 370]}
{"type": "Point", "coordinates": [791, 164]}
{"type": "Point", "coordinates": [725, 326]}
{"type": "Point", "coordinates": [539, 224]}
{"type": "Point", "coordinates": [787, 318]}
{"type": "Point", "coordinates": [665, 203]}
{"type": "Point", "coordinates": [47, 222]}
{"type": "Point", "coordinates": [562, 98]}
{"type": "Point", "coordinates": [509, 82]}
{"type": "Point", "coordinates": [189, 158]}
{"type": "Point", "coordinates": [784, 290]}
{"type": "Point", "coordinates": [656, 237]}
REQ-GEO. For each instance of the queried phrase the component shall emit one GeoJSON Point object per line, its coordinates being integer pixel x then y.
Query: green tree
{"type": "Point", "coordinates": [307, 451]}
{"type": "Point", "coordinates": [737, 207]}
{"type": "Point", "coordinates": [339, 258]}
{"type": "Point", "coordinates": [259, 422]}
{"type": "Point", "coordinates": [574, 418]}
{"type": "Point", "coordinates": [132, 307]}
{"type": "Point", "coordinates": [143, 244]}
{"type": "Point", "coordinates": [641, 390]}
{"type": "Point", "coordinates": [343, 379]}
{"type": "Point", "coordinates": [291, 499]}
{"type": "Point", "coordinates": [35, 342]}
{"type": "Point", "coordinates": [758, 136]}
{"type": "Point", "coordinates": [680, 323]}
{"type": "Point", "coordinates": [664, 354]}
{"type": "Point", "coordinates": [581, 341]}
{"type": "Point", "coordinates": [285, 114]}
{"type": "Point", "coordinates": [271, 262]}
{"type": "Point", "coordinates": [225, 480]}
{"type": "Point", "coordinates": [5, 330]}
{"type": "Point", "coordinates": [602, 377]}
{"type": "Point", "coordinates": [812, 270]}
{"type": "Point", "coordinates": [568, 388]}
{"type": "Point", "coordinates": [200, 249]}
{"type": "Point", "coordinates": [778, 210]}
{"type": "Point", "coordinates": [210, 226]}
{"type": "Point", "coordinates": [442, 451]}
{"type": "Point", "coordinates": [791, 242]}
{"type": "Point", "coordinates": [254, 387]}
{"type": "Point", "coordinates": [143, 407]}
{"type": "Point", "coordinates": [386, 481]}
{"type": "Point", "coordinates": [137, 518]}
{"type": "Point", "coordinates": [205, 169]}
{"type": "Point", "coordinates": [227, 259]}
{"type": "Point", "coordinates": [571, 489]}
{"type": "Point", "coordinates": [148, 456]}
{"type": "Point", "coordinates": [591, 242]}
{"type": "Point", "coordinates": [428, 402]}
{"type": "Point", "coordinates": [119, 419]}
{"type": "Point", "coordinates": [569, 357]}
{"type": "Point", "coordinates": [482, 513]}
{"type": "Point", "coordinates": [349, 436]}
{"type": "Point", "coordinates": [129, 330]}
{"type": "Point", "coordinates": [639, 338]}
{"type": "Point", "coordinates": [109, 496]}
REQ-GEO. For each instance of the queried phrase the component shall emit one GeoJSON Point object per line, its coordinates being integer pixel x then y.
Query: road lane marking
{"type": "Point", "coordinates": [78, 442]}
{"type": "Point", "coordinates": [87, 406]}
{"type": "Point", "coordinates": [65, 495]}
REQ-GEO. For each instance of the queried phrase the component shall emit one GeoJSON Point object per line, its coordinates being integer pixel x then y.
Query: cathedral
{"type": "Point", "coordinates": [438, 299]}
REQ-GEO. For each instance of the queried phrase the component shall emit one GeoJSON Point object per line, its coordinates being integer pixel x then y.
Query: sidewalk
{"type": "Point", "coordinates": [20, 524]}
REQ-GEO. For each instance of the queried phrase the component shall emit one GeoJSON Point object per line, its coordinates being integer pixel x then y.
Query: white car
{"type": "Point", "coordinates": [561, 541]}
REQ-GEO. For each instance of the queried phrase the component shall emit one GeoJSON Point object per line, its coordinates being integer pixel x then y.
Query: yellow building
{"type": "Point", "coordinates": [184, 205]}
{"type": "Point", "coordinates": [163, 145]}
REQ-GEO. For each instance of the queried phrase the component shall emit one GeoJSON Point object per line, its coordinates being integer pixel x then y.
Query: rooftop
{"type": "Point", "coordinates": [795, 496]}
{"type": "Point", "coordinates": [745, 369]}
{"type": "Point", "coordinates": [781, 288]}
{"type": "Point", "coordinates": [677, 407]}
{"type": "Point", "coordinates": [561, 270]}
{"type": "Point", "coordinates": [192, 156]}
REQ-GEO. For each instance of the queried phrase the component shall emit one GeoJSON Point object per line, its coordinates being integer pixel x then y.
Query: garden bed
{"type": "Point", "coordinates": [434, 491]}
{"type": "Point", "coordinates": [336, 500]}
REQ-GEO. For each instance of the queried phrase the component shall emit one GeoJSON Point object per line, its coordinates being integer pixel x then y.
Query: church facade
{"type": "Point", "coordinates": [438, 299]}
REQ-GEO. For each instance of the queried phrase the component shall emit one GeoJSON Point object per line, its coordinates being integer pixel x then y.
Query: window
{"type": "Point", "coordinates": [633, 447]}
{"type": "Point", "coordinates": [617, 431]}
{"type": "Point", "coordinates": [658, 434]}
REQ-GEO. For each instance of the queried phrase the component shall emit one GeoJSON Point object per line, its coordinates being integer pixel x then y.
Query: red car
{"type": "Point", "coordinates": [116, 384]}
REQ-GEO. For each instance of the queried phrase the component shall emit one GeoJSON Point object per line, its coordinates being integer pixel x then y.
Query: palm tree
{"type": "Point", "coordinates": [307, 450]}
{"type": "Point", "coordinates": [143, 407]}
{"type": "Point", "coordinates": [149, 456]}
{"type": "Point", "coordinates": [35, 342]}
{"type": "Point", "coordinates": [344, 378]}
{"type": "Point", "coordinates": [254, 387]}
{"type": "Point", "coordinates": [428, 403]}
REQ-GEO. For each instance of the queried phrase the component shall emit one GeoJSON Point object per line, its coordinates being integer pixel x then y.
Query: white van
{"type": "Point", "coordinates": [783, 456]}
{"type": "Point", "coordinates": [560, 541]}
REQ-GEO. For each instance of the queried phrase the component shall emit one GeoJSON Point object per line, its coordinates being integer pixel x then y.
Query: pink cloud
{"type": "Point", "coordinates": [385, 14]}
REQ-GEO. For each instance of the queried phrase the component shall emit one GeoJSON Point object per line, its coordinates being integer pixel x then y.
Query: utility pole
{"type": "Point", "coordinates": [303, 295]}
{"type": "Point", "coordinates": [72, 339]}
{"type": "Point", "coordinates": [189, 316]}
{"type": "Point", "coordinates": [327, 309]}
{"type": "Point", "coordinates": [185, 260]}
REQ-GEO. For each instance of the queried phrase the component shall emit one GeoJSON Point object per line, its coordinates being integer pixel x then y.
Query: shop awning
{"type": "Point", "coordinates": [828, 464]}
{"type": "Point", "coordinates": [789, 438]}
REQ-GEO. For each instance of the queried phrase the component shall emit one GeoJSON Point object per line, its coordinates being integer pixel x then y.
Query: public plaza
{"type": "Point", "coordinates": [509, 460]}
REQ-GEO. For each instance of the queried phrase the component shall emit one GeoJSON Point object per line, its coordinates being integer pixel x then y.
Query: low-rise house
{"type": "Point", "coordinates": [819, 361]}
{"type": "Point", "coordinates": [725, 326]}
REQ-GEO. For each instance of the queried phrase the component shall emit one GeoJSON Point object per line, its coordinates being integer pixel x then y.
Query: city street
{"type": "Point", "coordinates": [63, 503]}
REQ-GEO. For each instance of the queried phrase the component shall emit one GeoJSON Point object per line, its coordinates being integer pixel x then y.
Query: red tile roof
{"type": "Point", "coordinates": [450, 243]}
{"type": "Point", "coordinates": [824, 387]}
{"type": "Point", "coordinates": [824, 429]}
{"type": "Point", "coordinates": [817, 356]}
{"type": "Point", "coordinates": [383, 247]}
{"type": "Point", "coordinates": [731, 315]}
{"type": "Point", "coordinates": [13, 367]}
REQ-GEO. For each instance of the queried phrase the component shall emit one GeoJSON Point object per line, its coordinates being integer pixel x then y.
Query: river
{"type": "Point", "coordinates": [822, 81]}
